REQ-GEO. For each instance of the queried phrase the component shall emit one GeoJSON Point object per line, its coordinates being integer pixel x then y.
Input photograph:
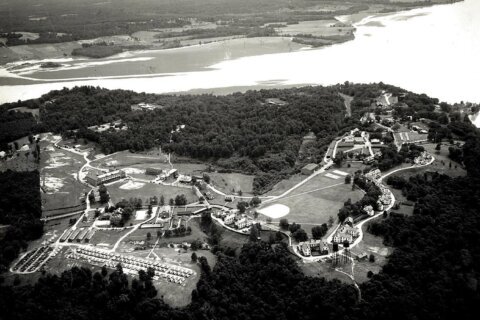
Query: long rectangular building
{"type": "Point", "coordinates": [98, 179]}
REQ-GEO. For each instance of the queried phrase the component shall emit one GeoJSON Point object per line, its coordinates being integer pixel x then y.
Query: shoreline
{"type": "Point", "coordinates": [45, 52]}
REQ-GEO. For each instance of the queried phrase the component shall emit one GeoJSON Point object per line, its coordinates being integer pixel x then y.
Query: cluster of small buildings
{"type": "Point", "coordinates": [116, 125]}
{"type": "Point", "coordinates": [132, 265]}
{"type": "Point", "coordinates": [385, 198]}
{"type": "Point", "coordinates": [95, 178]}
{"type": "Point", "coordinates": [312, 248]}
{"type": "Point", "coordinates": [34, 259]}
{"type": "Point", "coordinates": [234, 219]}
{"type": "Point", "coordinates": [78, 235]}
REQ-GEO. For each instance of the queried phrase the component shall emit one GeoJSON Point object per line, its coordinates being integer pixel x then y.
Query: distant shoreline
{"type": "Point", "coordinates": [126, 43]}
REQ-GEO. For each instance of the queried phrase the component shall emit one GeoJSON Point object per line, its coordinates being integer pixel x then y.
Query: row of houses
{"type": "Point", "coordinates": [78, 235]}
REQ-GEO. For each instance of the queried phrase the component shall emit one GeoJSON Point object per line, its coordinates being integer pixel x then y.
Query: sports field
{"type": "Point", "coordinates": [320, 198]}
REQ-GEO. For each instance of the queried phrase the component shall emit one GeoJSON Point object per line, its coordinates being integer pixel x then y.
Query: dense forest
{"type": "Point", "coordinates": [239, 132]}
{"type": "Point", "coordinates": [20, 211]}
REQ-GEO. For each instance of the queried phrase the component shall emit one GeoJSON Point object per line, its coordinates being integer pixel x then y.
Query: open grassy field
{"type": "Point", "coordinates": [286, 184]}
{"type": "Point", "coordinates": [127, 190]}
{"type": "Point", "coordinates": [315, 201]}
{"type": "Point", "coordinates": [440, 165]}
{"type": "Point", "coordinates": [232, 182]}
{"type": "Point", "coordinates": [106, 239]}
{"type": "Point", "coordinates": [323, 270]}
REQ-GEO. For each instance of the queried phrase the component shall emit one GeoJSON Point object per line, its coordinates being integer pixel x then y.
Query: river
{"type": "Point", "coordinates": [433, 50]}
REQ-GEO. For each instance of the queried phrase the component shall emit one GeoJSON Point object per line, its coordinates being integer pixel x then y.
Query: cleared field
{"type": "Point", "coordinates": [314, 202]}
{"type": "Point", "coordinates": [58, 176]}
{"type": "Point", "coordinates": [284, 185]}
{"type": "Point", "coordinates": [371, 245]}
{"type": "Point", "coordinates": [107, 238]}
{"type": "Point", "coordinates": [232, 182]}
{"type": "Point", "coordinates": [323, 270]}
{"type": "Point", "coordinates": [146, 190]}
{"type": "Point", "coordinates": [141, 161]}
{"type": "Point", "coordinates": [440, 165]}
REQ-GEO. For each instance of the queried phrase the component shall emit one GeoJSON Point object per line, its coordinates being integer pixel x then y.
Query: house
{"type": "Point", "coordinates": [375, 141]}
{"type": "Point", "coordinates": [276, 102]}
{"type": "Point", "coordinates": [362, 256]}
{"type": "Point", "coordinates": [369, 160]}
{"type": "Point", "coordinates": [305, 248]}
{"type": "Point", "coordinates": [373, 174]}
{"type": "Point", "coordinates": [229, 218]}
{"type": "Point", "coordinates": [340, 237]}
{"type": "Point", "coordinates": [185, 178]}
{"type": "Point", "coordinates": [243, 223]}
{"type": "Point", "coordinates": [96, 179]}
{"type": "Point", "coordinates": [153, 171]}
{"type": "Point", "coordinates": [354, 232]}
{"type": "Point", "coordinates": [229, 198]}
{"type": "Point", "coordinates": [349, 221]}
{"type": "Point", "coordinates": [309, 168]}
{"type": "Point", "coordinates": [369, 210]}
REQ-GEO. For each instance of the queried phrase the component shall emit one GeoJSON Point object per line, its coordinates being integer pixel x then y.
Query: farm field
{"type": "Point", "coordinates": [230, 183]}
{"type": "Point", "coordinates": [129, 189]}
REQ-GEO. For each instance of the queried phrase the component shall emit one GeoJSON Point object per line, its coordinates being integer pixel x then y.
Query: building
{"type": "Point", "coordinates": [349, 221]}
{"type": "Point", "coordinates": [362, 256]}
{"type": "Point", "coordinates": [65, 236]}
{"type": "Point", "coordinates": [229, 198]}
{"type": "Point", "coordinates": [305, 248]}
{"type": "Point", "coordinates": [375, 141]}
{"type": "Point", "coordinates": [229, 218]}
{"type": "Point", "coordinates": [354, 232]}
{"type": "Point", "coordinates": [243, 223]}
{"type": "Point", "coordinates": [369, 210]}
{"type": "Point", "coordinates": [96, 179]}
{"type": "Point", "coordinates": [340, 237]}
{"type": "Point", "coordinates": [89, 235]}
{"type": "Point", "coordinates": [82, 235]}
{"type": "Point", "coordinates": [185, 179]}
{"type": "Point", "coordinates": [73, 235]}
{"type": "Point", "coordinates": [153, 171]}
{"type": "Point", "coordinates": [309, 169]}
